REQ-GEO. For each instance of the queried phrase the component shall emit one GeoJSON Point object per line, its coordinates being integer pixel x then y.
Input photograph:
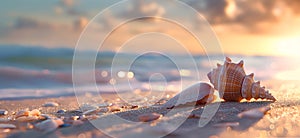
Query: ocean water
{"type": "Point", "coordinates": [34, 72]}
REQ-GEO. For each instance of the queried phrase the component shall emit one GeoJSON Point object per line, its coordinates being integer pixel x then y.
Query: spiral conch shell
{"type": "Point", "coordinates": [231, 80]}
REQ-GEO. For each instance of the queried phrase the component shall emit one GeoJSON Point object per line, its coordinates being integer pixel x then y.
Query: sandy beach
{"type": "Point", "coordinates": [149, 68]}
{"type": "Point", "coordinates": [282, 120]}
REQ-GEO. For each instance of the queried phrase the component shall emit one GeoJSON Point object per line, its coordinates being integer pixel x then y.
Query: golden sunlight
{"type": "Point", "coordinates": [288, 46]}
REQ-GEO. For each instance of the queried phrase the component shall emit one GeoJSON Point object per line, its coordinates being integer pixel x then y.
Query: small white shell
{"type": "Point", "coordinates": [3, 112]}
{"type": "Point", "coordinates": [49, 125]}
{"type": "Point", "coordinates": [50, 104]}
{"type": "Point", "coordinates": [35, 112]}
{"type": "Point", "coordinates": [7, 126]}
{"type": "Point", "coordinates": [22, 113]}
{"type": "Point", "coordinates": [199, 93]}
{"type": "Point", "coordinates": [149, 117]}
{"type": "Point", "coordinates": [256, 113]}
{"type": "Point", "coordinates": [227, 124]}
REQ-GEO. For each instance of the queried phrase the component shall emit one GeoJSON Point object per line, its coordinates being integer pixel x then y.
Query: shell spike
{"type": "Point", "coordinates": [270, 97]}
{"type": "Point", "coordinates": [209, 75]}
{"type": "Point", "coordinates": [251, 75]}
{"type": "Point", "coordinates": [228, 59]}
{"type": "Point", "coordinates": [241, 63]}
{"type": "Point", "coordinates": [267, 91]}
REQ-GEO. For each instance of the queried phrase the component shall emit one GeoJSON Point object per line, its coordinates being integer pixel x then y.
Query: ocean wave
{"type": "Point", "coordinates": [35, 71]}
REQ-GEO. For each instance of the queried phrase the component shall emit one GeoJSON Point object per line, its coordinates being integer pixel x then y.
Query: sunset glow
{"type": "Point", "coordinates": [266, 31]}
{"type": "Point", "coordinates": [288, 46]}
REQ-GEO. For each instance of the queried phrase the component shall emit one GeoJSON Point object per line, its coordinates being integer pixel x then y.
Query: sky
{"type": "Point", "coordinates": [246, 27]}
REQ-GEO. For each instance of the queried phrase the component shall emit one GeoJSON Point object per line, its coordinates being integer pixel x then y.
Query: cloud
{"type": "Point", "coordinates": [67, 3]}
{"type": "Point", "coordinates": [245, 16]}
{"type": "Point", "coordinates": [293, 5]}
{"type": "Point", "coordinates": [68, 7]}
{"type": "Point", "coordinates": [80, 23]}
{"type": "Point", "coordinates": [255, 15]}
{"type": "Point", "coordinates": [141, 8]}
{"type": "Point", "coordinates": [228, 16]}
{"type": "Point", "coordinates": [25, 23]}
{"type": "Point", "coordinates": [37, 32]}
{"type": "Point", "coordinates": [134, 9]}
{"type": "Point", "coordinates": [255, 11]}
{"type": "Point", "coordinates": [150, 8]}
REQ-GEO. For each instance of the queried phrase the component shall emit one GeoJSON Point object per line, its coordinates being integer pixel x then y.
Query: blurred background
{"type": "Point", "coordinates": [37, 40]}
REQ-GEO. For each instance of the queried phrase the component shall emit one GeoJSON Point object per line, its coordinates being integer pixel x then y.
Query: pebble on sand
{"type": "Point", "coordinates": [4, 120]}
{"type": "Point", "coordinates": [227, 124]}
{"type": "Point", "coordinates": [50, 104]}
{"type": "Point", "coordinates": [89, 112]}
{"type": "Point", "coordinates": [9, 126]}
{"type": "Point", "coordinates": [44, 117]}
{"type": "Point", "coordinates": [35, 112]}
{"type": "Point", "coordinates": [115, 108]}
{"type": "Point", "coordinates": [99, 110]}
{"type": "Point", "coordinates": [76, 117]}
{"type": "Point", "coordinates": [27, 118]}
{"type": "Point", "coordinates": [62, 111]}
{"type": "Point", "coordinates": [194, 116]}
{"type": "Point", "coordinates": [22, 113]}
{"type": "Point", "coordinates": [3, 112]}
{"type": "Point", "coordinates": [256, 113]}
{"type": "Point", "coordinates": [25, 115]}
{"type": "Point", "coordinates": [49, 125]}
{"type": "Point", "coordinates": [149, 117]}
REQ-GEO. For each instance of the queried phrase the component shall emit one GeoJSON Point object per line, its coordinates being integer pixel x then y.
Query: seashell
{"type": "Point", "coordinates": [232, 82]}
{"type": "Point", "coordinates": [35, 112]}
{"type": "Point", "coordinates": [49, 125]}
{"type": "Point", "coordinates": [194, 116]}
{"type": "Point", "coordinates": [44, 117]}
{"type": "Point", "coordinates": [62, 111]}
{"type": "Point", "coordinates": [115, 108]}
{"type": "Point", "coordinates": [4, 120]}
{"type": "Point", "coordinates": [227, 124]}
{"type": "Point", "coordinates": [134, 106]}
{"type": "Point", "coordinates": [22, 113]}
{"type": "Point", "coordinates": [50, 104]}
{"type": "Point", "coordinates": [189, 95]}
{"type": "Point", "coordinates": [74, 117]}
{"type": "Point", "coordinates": [255, 113]}
{"type": "Point", "coordinates": [99, 110]}
{"type": "Point", "coordinates": [27, 118]}
{"type": "Point", "coordinates": [7, 126]}
{"type": "Point", "coordinates": [149, 117]}
{"type": "Point", "coordinates": [89, 112]}
{"type": "Point", "coordinates": [3, 112]}
{"type": "Point", "coordinates": [90, 117]}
